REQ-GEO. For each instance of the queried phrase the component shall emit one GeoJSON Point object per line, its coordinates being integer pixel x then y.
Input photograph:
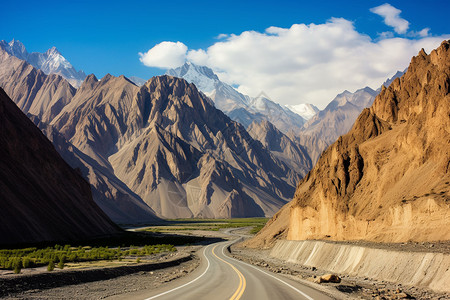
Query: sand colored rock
{"type": "Point", "coordinates": [387, 180]}
{"type": "Point", "coordinates": [425, 269]}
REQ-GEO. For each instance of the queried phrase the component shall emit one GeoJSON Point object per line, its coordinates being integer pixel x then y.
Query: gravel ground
{"type": "Point", "coordinates": [351, 287]}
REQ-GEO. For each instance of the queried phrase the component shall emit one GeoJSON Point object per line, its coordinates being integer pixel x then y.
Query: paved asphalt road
{"type": "Point", "coordinates": [222, 277]}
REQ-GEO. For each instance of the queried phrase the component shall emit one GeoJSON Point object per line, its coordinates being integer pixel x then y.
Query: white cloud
{"type": "Point", "coordinates": [308, 63]}
{"type": "Point", "coordinates": [391, 16]}
{"type": "Point", "coordinates": [423, 33]}
{"type": "Point", "coordinates": [165, 55]}
{"type": "Point", "coordinates": [198, 57]}
{"type": "Point", "coordinates": [221, 36]}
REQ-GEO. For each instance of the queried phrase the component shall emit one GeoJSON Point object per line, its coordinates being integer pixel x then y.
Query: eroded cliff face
{"type": "Point", "coordinates": [388, 179]}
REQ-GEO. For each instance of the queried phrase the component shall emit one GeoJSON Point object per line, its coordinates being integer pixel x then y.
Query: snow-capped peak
{"type": "Point", "coordinates": [305, 110]}
{"type": "Point", "coordinates": [50, 62]}
{"type": "Point", "coordinates": [203, 77]}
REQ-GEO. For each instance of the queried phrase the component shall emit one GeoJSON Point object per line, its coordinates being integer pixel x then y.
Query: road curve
{"type": "Point", "coordinates": [222, 277]}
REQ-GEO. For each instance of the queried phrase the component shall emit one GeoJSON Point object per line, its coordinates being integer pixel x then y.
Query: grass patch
{"type": "Point", "coordinates": [35, 257]}
{"type": "Point", "coordinates": [117, 247]}
{"type": "Point", "coordinates": [174, 225]}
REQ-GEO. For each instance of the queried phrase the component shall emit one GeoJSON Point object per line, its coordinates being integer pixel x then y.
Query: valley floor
{"type": "Point", "coordinates": [148, 280]}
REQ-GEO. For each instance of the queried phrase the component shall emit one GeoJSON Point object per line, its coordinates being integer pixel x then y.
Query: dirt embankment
{"type": "Point", "coordinates": [350, 287]}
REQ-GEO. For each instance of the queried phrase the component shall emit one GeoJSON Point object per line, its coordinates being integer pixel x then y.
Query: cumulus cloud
{"type": "Point", "coordinates": [308, 63]}
{"type": "Point", "coordinates": [391, 16]}
{"type": "Point", "coordinates": [165, 55]}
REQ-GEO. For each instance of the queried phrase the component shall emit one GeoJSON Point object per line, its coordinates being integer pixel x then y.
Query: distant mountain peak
{"type": "Point", "coordinates": [50, 62]}
{"type": "Point", "coordinates": [239, 107]}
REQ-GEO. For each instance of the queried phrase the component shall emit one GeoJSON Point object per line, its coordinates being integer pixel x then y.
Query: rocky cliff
{"type": "Point", "coordinates": [388, 179]}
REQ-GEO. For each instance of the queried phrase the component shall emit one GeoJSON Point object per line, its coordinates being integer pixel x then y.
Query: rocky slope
{"type": "Point", "coordinates": [169, 144]}
{"type": "Point", "coordinates": [113, 196]}
{"type": "Point", "coordinates": [31, 89]}
{"type": "Point", "coordinates": [336, 119]}
{"type": "Point", "coordinates": [165, 141]}
{"type": "Point", "coordinates": [388, 179]}
{"type": "Point", "coordinates": [281, 146]}
{"type": "Point", "coordinates": [50, 62]}
{"type": "Point", "coordinates": [41, 197]}
{"type": "Point", "coordinates": [43, 97]}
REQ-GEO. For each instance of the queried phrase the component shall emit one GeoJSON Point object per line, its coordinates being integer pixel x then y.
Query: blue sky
{"type": "Point", "coordinates": [106, 36]}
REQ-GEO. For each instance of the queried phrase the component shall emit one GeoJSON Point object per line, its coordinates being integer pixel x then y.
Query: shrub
{"type": "Point", "coordinates": [17, 266]}
{"type": "Point", "coordinates": [51, 266]}
{"type": "Point", "coordinates": [26, 262]}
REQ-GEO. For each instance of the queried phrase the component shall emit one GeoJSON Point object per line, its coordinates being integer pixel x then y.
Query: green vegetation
{"type": "Point", "coordinates": [15, 259]}
{"type": "Point", "coordinates": [209, 224]}
{"type": "Point", "coordinates": [51, 266]}
{"type": "Point", "coordinates": [256, 229]}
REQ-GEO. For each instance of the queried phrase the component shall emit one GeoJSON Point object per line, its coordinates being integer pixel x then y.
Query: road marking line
{"type": "Point", "coordinates": [268, 274]}
{"type": "Point", "coordinates": [181, 286]}
{"type": "Point", "coordinates": [242, 282]}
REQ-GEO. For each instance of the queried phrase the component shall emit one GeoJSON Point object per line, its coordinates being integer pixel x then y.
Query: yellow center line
{"type": "Point", "coordinates": [242, 283]}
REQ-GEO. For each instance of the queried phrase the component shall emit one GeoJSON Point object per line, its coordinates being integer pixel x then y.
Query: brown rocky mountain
{"type": "Point", "coordinates": [42, 198]}
{"type": "Point", "coordinates": [33, 91]}
{"type": "Point", "coordinates": [281, 146]}
{"type": "Point", "coordinates": [113, 196]}
{"type": "Point", "coordinates": [42, 97]}
{"type": "Point", "coordinates": [336, 119]}
{"type": "Point", "coordinates": [164, 141]}
{"type": "Point", "coordinates": [388, 179]}
{"type": "Point", "coordinates": [169, 144]}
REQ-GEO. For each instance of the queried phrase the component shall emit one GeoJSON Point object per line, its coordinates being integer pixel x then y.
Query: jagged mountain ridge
{"type": "Point", "coordinates": [121, 204]}
{"type": "Point", "coordinates": [50, 62]}
{"type": "Point", "coordinates": [41, 197]}
{"type": "Point", "coordinates": [160, 126]}
{"type": "Point", "coordinates": [335, 119]}
{"type": "Point", "coordinates": [229, 173]}
{"type": "Point", "coordinates": [387, 180]}
{"type": "Point", "coordinates": [43, 97]}
{"type": "Point", "coordinates": [239, 107]}
{"type": "Point", "coordinates": [281, 146]}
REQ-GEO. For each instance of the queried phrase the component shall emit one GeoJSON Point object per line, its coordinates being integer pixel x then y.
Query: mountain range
{"type": "Point", "coordinates": [387, 179]}
{"type": "Point", "coordinates": [50, 62]}
{"type": "Point", "coordinates": [162, 147]}
{"type": "Point", "coordinates": [241, 108]}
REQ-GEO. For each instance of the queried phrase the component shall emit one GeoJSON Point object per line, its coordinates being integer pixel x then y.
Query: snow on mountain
{"type": "Point", "coordinates": [225, 97]}
{"type": "Point", "coordinates": [137, 80]}
{"type": "Point", "coordinates": [305, 110]}
{"type": "Point", "coordinates": [50, 62]}
{"type": "Point", "coordinates": [239, 107]}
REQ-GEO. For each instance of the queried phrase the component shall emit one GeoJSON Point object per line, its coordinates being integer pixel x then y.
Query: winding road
{"type": "Point", "coordinates": [222, 277]}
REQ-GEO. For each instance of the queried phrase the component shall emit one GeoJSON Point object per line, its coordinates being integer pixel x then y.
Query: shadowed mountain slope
{"type": "Point", "coordinates": [42, 198]}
